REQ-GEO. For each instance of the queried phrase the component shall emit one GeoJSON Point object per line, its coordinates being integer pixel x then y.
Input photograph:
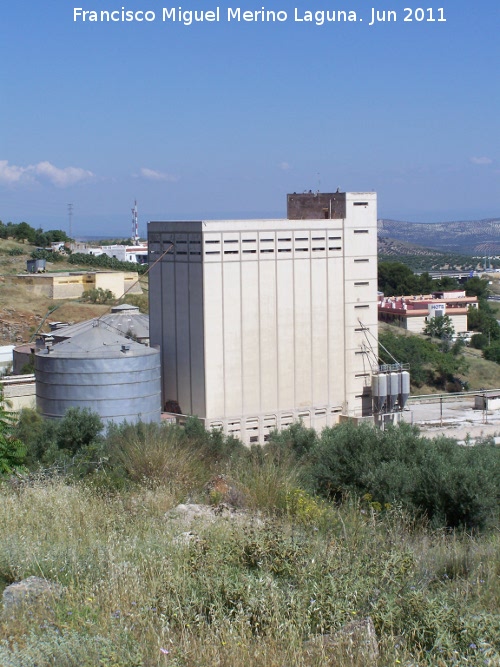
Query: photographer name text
{"type": "Point", "coordinates": [235, 15]}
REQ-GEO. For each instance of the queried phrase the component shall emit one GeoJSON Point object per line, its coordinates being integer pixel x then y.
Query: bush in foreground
{"type": "Point", "coordinates": [450, 485]}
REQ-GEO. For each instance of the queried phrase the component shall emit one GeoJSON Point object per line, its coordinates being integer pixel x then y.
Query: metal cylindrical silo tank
{"type": "Point", "coordinates": [379, 391]}
{"type": "Point", "coordinates": [102, 371]}
{"type": "Point", "coordinates": [392, 390]}
{"type": "Point", "coordinates": [405, 389]}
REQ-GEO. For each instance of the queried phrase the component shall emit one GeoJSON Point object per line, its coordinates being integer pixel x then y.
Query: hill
{"type": "Point", "coordinates": [420, 258]}
{"type": "Point", "coordinates": [465, 237]}
{"type": "Point", "coordinates": [22, 312]}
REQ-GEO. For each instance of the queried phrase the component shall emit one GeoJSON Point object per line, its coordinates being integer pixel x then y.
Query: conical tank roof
{"type": "Point", "coordinates": [97, 341]}
{"type": "Point", "coordinates": [125, 319]}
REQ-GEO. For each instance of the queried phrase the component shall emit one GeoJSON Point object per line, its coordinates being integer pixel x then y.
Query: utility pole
{"type": "Point", "coordinates": [135, 225]}
{"type": "Point", "coordinates": [70, 216]}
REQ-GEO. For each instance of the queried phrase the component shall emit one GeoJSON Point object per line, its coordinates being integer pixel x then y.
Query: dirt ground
{"type": "Point", "coordinates": [22, 312]}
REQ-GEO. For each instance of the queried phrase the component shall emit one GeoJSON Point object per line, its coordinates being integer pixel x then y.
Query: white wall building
{"type": "Point", "coordinates": [258, 321]}
{"type": "Point", "coordinates": [137, 253]}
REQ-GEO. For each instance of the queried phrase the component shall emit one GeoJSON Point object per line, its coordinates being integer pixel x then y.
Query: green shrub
{"type": "Point", "coordinates": [296, 440]}
{"type": "Point", "coordinates": [67, 649]}
{"type": "Point", "coordinates": [48, 255]}
{"type": "Point", "coordinates": [457, 486]}
{"type": "Point", "coordinates": [450, 485]}
{"type": "Point", "coordinates": [12, 450]}
{"type": "Point", "coordinates": [106, 262]}
{"type": "Point", "coordinates": [77, 429]}
{"type": "Point", "coordinates": [479, 341]}
{"type": "Point", "coordinates": [492, 352]}
{"type": "Point", "coordinates": [98, 295]}
{"type": "Point", "coordinates": [69, 442]}
{"type": "Point", "coordinates": [15, 252]}
{"type": "Point", "coordinates": [430, 363]}
{"type": "Point", "coordinates": [212, 446]}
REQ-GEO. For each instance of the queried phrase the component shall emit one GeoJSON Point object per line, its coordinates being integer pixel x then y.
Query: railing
{"type": "Point", "coordinates": [436, 398]}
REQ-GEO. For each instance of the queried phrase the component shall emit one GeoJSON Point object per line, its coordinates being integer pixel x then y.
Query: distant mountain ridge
{"type": "Point", "coordinates": [463, 237]}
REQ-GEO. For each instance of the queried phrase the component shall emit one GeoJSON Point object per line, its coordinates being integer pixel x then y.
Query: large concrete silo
{"type": "Point", "coordinates": [101, 370]}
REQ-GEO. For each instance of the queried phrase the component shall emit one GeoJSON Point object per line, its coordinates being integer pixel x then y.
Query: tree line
{"type": "Point", "coordinates": [23, 232]}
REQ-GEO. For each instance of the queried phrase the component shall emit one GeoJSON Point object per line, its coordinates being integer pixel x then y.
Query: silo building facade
{"type": "Point", "coordinates": [264, 322]}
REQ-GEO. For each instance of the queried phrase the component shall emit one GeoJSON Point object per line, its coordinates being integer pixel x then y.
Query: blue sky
{"type": "Point", "coordinates": [223, 119]}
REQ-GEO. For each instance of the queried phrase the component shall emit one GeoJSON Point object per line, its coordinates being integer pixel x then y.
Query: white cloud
{"type": "Point", "coordinates": [62, 178]}
{"type": "Point", "coordinates": [481, 160]}
{"type": "Point", "coordinates": [285, 166]}
{"type": "Point", "coordinates": [153, 175]}
{"type": "Point", "coordinates": [10, 174]}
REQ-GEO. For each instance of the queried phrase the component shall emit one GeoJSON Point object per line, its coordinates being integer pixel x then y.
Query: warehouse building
{"type": "Point", "coordinates": [72, 284]}
{"type": "Point", "coordinates": [264, 322]}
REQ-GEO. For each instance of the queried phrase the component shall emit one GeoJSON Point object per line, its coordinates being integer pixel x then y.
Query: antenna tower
{"type": "Point", "coordinates": [70, 216]}
{"type": "Point", "coordinates": [135, 225]}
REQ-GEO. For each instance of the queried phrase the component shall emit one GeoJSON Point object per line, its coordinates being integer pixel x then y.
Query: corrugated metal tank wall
{"type": "Point", "coordinates": [103, 372]}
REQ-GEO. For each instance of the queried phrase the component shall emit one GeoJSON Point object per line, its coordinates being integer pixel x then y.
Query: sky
{"type": "Point", "coordinates": [221, 119]}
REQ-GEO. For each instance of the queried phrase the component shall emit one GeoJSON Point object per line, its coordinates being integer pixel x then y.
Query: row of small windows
{"type": "Point", "coordinates": [279, 239]}
{"type": "Point", "coordinates": [264, 251]}
{"type": "Point", "coordinates": [193, 246]}
{"type": "Point", "coordinates": [252, 251]}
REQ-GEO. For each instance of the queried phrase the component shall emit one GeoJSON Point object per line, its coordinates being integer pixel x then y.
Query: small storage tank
{"type": "Point", "coordinates": [379, 392]}
{"type": "Point", "coordinates": [102, 371]}
{"type": "Point", "coordinates": [405, 389]}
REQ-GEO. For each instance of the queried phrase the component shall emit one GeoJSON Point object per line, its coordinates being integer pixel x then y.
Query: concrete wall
{"type": "Point", "coordinates": [19, 392]}
{"type": "Point", "coordinates": [6, 360]}
{"type": "Point", "coordinates": [418, 324]}
{"type": "Point", "coordinates": [110, 281]}
{"type": "Point", "coordinates": [71, 286]}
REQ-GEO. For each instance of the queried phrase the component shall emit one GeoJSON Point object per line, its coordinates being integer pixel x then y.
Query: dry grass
{"type": "Point", "coordinates": [138, 593]}
{"type": "Point", "coordinates": [482, 374]}
{"type": "Point", "coordinates": [19, 298]}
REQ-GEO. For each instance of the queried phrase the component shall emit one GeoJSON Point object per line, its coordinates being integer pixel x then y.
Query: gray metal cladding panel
{"type": "Point", "coordinates": [196, 332]}
{"type": "Point", "coordinates": [132, 391]}
{"type": "Point", "coordinates": [166, 307]}
{"type": "Point", "coordinates": [97, 365]}
{"type": "Point", "coordinates": [106, 408]}
{"type": "Point", "coordinates": [182, 337]}
{"type": "Point", "coordinates": [109, 379]}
